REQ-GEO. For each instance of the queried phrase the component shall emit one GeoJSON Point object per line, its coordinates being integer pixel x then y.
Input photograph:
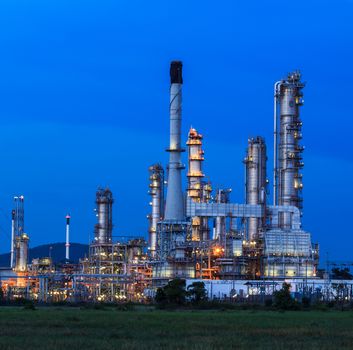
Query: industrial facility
{"type": "Point", "coordinates": [194, 233]}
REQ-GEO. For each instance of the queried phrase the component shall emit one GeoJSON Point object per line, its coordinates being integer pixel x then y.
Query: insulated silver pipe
{"type": "Point", "coordinates": [174, 209]}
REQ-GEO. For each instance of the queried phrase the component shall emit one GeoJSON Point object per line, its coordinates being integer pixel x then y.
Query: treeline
{"type": "Point", "coordinates": [176, 295]}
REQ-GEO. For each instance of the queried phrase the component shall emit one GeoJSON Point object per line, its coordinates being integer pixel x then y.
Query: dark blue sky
{"type": "Point", "coordinates": [84, 102]}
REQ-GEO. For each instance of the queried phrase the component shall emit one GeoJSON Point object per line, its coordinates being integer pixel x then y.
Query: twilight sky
{"type": "Point", "coordinates": [84, 103]}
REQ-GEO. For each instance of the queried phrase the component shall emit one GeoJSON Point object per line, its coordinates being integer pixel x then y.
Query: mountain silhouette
{"type": "Point", "coordinates": [55, 250]}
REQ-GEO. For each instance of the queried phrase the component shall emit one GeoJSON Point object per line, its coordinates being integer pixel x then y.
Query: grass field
{"type": "Point", "coordinates": [73, 328]}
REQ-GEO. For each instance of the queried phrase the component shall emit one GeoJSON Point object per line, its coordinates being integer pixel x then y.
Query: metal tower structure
{"type": "Point", "coordinates": [157, 203]}
{"type": "Point", "coordinates": [17, 227]}
{"type": "Point", "coordinates": [287, 149]}
{"type": "Point", "coordinates": [198, 190]}
{"type": "Point", "coordinates": [174, 208]}
{"type": "Point", "coordinates": [255, 184]}
{"type": "Point", "coordinates": [67, 244]}
{"type": "Point", "coordinates": [104, 227]}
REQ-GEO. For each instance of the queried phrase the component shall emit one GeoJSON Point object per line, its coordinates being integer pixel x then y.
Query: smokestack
{"type": "Point", "coordinates": [174, 209]}
{"type": "Point", "coordinates": [12, 238]}
{"type": "Point", "coordinates": [67, 245]}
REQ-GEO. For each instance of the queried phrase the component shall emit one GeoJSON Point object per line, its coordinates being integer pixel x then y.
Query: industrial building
{"type": "Point", "coordinates": [196, 233]}
{"type": "Point", "coordinates": [204, 235]}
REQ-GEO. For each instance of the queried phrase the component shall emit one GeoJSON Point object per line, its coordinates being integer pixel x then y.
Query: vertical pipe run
{"type": "Point", "coordinates": [67, 244]}
{"type": "Point", "coordinates": [222, 196]}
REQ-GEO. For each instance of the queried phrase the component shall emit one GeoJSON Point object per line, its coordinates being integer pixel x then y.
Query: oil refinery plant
{"type": "Point", "coordinates": [197, 233]}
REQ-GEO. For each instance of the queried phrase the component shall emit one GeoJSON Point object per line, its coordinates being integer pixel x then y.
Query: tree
{"type": "Point", "coordinates": [160, 296]}
{"type": "Point", "coordinates": [341, 274]}
{"type": "Point", "coordinates": [173, 293]}
{"type": "Point", "coordinates": [197, 292]}
{"type": "Point", "coordinates": [282, 298]}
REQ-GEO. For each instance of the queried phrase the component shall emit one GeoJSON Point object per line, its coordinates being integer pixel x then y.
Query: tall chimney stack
{"type": "Point", "coordinates": [174, 209]}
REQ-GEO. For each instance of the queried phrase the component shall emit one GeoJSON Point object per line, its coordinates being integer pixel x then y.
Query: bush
{"type": "Point", "coordinates": [125, 307]}
{"type": "Point", "coordinates": [283, 300]}
{"type": "Point", "coordinates": [161, 297]}
{"type": "Point", "coordinates": [197, 292]}
{"type": "Point", "coordinates": [29, 305]}
{"type": "Point", "coordinates": [306, 302]}
{"type": "Point", "coordinates": [268, 302]}
{"type": "Point", "coordinates": [173, 293]}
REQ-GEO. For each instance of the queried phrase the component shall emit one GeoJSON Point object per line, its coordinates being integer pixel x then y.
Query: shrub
{"type": "Point", "coordinates": [306, 302]}
{"type": "Point", "coordinates": [283, 300]}
{"type": "Point", "coordinates": [29, 305]}
{"type": "Point", "coordinates": [173, 293]}
{"type": "Point", "coordinates": [197, 292]}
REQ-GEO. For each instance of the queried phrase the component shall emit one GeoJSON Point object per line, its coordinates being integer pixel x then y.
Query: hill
{"type": "Point", "coordinates": [55, 250]}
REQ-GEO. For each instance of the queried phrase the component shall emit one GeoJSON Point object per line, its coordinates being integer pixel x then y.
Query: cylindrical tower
{"type": "Point", "coordinates": [104, 227]}
{"type": "Point", "coordinates": [255, 184]}
{"type": "Point", "coordinates": [21, 252]}
{"type": "Point", "coordinates": [289, 163]}
{"type": "Point", "coordinates": [67, 244]}
{"type": "Point", "coordinates": [19, 215]}
{"type": "Point", "coordinates": [174, 209]}
{"type": "Point", "coordinates": [12, 251]}
{"type": "Point", "coordinates": [195, 175]}
{"type": "Point", "coordinates": [157, 203]}
{"type": "Point", "coordinates": [195, 159]}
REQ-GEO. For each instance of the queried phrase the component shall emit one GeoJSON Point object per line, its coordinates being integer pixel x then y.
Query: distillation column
{"type": "Point", "coordinates": [198, 191]}
{"type": "Point", "coordinates": [12, 251]}
{"type": "Point", "coordinates": [174, 209]}
{"type": "Point", "coordinates": [19, 239]}
{"type": "Point", "coordinates": [289, 151]}
{"type": "Point", "coordinates": [157, 203]}
{"type": "Point", "coordinates": [21, 246]}
{"type": "Point", "coordinates": [255, 185]}
{"type": "Point", "coordinates": [104, 227]}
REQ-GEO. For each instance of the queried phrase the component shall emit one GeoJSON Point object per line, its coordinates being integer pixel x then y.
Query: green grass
{"type": "Point", "coordinates": [73, 328]}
